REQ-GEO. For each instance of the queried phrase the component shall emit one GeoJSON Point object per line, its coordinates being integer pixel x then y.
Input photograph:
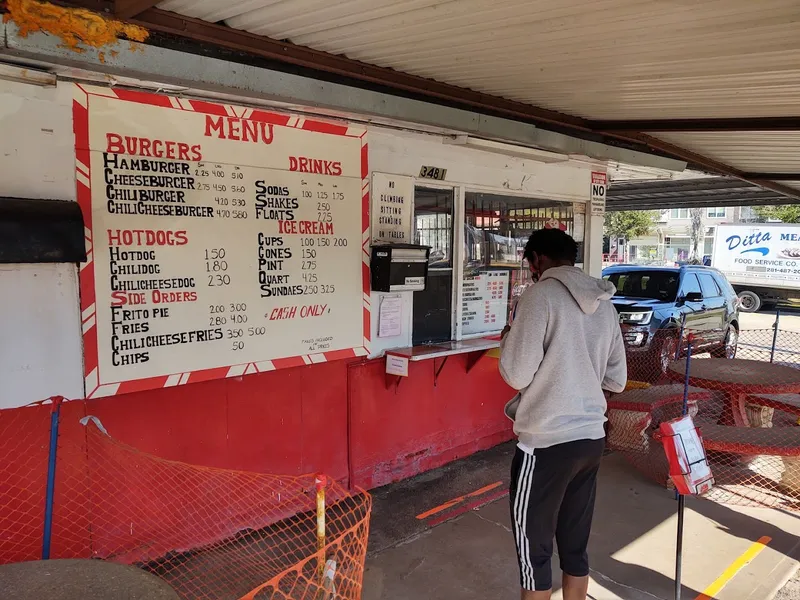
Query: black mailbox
{"type": "Point", "coordinates": [399, 267]}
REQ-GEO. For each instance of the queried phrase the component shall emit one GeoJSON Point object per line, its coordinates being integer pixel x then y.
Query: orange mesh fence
{"type": "Point", "coordinates": [744, 395]}
{"type": "Point", "coordinates": [210, 533]}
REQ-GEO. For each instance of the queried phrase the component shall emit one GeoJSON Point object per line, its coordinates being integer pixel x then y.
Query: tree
{"type": "Point", "coordinates": [697, 235]}
{"type": "Point", "coordinates": [788, 213]}
{"type": "Point", "coordinates": [630, 224]}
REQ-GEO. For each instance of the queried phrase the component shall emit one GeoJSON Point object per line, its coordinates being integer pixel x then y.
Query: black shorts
{"type": "Point", "coordinates": [552, 496]}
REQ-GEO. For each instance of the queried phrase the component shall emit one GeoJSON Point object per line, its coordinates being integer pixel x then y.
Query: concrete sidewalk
{"type": "Point", "coordinates": [465, 551]}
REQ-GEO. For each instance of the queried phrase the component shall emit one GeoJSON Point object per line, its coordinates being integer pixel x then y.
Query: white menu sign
{"type": "Point", "coordinates": [484, 304]}
{"type": "Point", "coordinates": [224, 240]}
{"type": "Point", "coordinates": [393, 206]}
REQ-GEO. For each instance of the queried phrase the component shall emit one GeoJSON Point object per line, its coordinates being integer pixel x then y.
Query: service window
{"type": "Point", "coordinates": [496, 230]}
{"type": "Point", "coordinates": [433, 226]}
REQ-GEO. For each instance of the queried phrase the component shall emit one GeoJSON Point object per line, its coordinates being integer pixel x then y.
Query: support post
{"type": "Point", "coordinates": [321, 481]}
{"type": "Point", "coordinates": [680, 336]}
{"type": "Point", "coordinates": [681, 497]}
{"type": "Point", "coordinates": [55, 412]}
{"type": "Point", "coordinates": [775, 326]}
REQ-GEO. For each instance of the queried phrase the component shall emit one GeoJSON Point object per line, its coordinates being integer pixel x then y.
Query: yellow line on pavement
{"type": "Point", "coordinates": [736, 566]}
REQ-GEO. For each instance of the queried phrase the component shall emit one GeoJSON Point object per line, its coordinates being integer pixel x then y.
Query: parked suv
{"type": "Point", "coordinates": [652, 302]}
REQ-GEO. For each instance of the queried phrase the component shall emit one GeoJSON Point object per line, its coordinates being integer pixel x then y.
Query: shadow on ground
{"type": "Point", "coordinates": [632, 549]}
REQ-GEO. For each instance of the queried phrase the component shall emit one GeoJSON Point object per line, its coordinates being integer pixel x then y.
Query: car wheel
{"type": "Point", "coordinates": [749, 302]}
{"type": "Point", "coordinates": [728, 349]}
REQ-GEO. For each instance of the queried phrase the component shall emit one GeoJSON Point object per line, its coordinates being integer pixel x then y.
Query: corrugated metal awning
{"type": "Point", "coordinates": [708, 192]}
{"type": "Point", "coordinates": [715, 82]}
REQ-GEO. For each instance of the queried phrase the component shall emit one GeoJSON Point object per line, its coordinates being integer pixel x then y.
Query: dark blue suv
{"type": "Point", "coordinates": [652, 302]}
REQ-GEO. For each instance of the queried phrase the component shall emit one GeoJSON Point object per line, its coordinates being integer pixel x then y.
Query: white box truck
{"type": "Point", "coordinates": [761, 261]}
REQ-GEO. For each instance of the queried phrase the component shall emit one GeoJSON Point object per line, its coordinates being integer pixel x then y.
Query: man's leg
{"type": "Point", "coordinates": [538, 483]}
{"type": "Point", "coordinates": [575, 522]}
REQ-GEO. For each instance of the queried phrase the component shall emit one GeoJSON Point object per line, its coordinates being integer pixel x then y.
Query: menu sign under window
{"type": "Point", "coordinates": [224, 240]}
{"type": "Point", "coordinates": [484, 303]}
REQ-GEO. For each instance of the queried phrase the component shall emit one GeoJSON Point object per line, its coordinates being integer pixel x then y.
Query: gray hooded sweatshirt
{"type": "Point", "coordinates": [564, 348]}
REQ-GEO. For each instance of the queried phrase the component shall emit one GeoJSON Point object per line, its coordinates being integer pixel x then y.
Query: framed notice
{"type": "Point", "coordinates": [393, 208]}
{"type": "Point", "coordinates": [598, 194]}
{"type": "Point", "coordinates": [222, 240]}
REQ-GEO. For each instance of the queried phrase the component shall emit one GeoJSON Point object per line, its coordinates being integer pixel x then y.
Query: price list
{"type": "Point", "coordinates": [200, 264]}
{"type": "Point", "coordinates": [484, 302]}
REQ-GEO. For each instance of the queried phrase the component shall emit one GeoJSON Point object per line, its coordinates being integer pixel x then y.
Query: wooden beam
{"type": "Point", "coordinates": [127, 9]}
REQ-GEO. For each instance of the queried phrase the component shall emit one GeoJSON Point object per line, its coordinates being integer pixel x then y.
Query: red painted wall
{"type": "Point", "coordinates": [339, 418]}
{"type": "Point", "coordinates": [295, 421]}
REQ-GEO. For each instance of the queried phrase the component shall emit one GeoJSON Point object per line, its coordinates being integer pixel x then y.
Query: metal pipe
{"type": "Point", "coordinates": [55, 412]}
{"type": "Point", "coordinates": [679, 547]}
{"type": "Point", "coordinates": [680, 336]}
{"type": "Point", "coordinates": [321, 482]}
{"type": "Point", "coordinates": [690, 340]}
{"type": "Point", "coordinates": [775, 334]}
{"type": "Point", "coordinates": [681, 498]}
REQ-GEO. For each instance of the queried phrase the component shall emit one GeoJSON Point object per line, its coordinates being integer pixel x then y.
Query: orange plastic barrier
{"type": "Point", "coordinates": [210, 533]}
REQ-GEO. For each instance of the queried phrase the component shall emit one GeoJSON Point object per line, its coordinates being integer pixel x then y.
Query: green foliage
{"type": "Point", "coordinates": [788, 213]}
{"type": "Point", "coordinates": [630, 224]}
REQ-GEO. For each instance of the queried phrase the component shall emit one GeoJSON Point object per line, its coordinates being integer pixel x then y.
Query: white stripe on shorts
{"type": "Point", "coordinates": [521, 502]}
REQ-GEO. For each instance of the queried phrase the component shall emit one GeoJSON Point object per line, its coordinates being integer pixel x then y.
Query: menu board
{"type": "Point", "coordinates": [484, 303]}
{"type": "Point", "coordinates": [223, 240]}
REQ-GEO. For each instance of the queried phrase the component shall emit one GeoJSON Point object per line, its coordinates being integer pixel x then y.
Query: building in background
{"type": "Point", "coordinates": [669, 240]}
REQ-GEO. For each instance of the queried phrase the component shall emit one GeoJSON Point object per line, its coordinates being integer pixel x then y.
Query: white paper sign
{"type": "Point", "coordinates": [396, 365]}
{"type": "Point", "coordinates": [484, 304]}
{"type": "Point", "coordinates": [578, 226]}
{"type": "Point", "coordinates": [598, 194]}
{"type": "Point", "coordinates": [221, 244]}
{"type": "Point", "coordinates": [392, 208]}
{"type": "Point", "coordinates": [390, 317]}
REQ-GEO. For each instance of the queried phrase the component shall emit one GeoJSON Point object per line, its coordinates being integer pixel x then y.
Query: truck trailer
{"type": "Point", "coordinates": [761, 261]}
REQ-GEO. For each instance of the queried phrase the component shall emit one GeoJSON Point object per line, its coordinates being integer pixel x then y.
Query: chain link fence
{"type": "Point", "coordinates": [210, 533]}
{"type": "Point", "coordinates": [744, 394]}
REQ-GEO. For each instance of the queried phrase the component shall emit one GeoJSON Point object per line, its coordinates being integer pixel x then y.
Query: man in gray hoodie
{"type": "Point", "coordinates": [564, 352]}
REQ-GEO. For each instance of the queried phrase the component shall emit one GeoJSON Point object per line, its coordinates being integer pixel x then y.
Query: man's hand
{"type": "Point", "coordinates": [505, 331]}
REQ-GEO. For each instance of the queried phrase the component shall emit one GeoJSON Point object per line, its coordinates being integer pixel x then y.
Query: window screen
{"type": "Point", "coordinates": [496, 230]}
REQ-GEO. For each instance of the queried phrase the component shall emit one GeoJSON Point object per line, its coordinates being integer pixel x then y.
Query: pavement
{"type": "Point", "coordinates": [791, 590]}
{"type": "Point", "coordinates": [789, 320]}
{"type": "Point", "coordinates": [80, 579]}
{"type": "Point", "coordinates": [462, 547]}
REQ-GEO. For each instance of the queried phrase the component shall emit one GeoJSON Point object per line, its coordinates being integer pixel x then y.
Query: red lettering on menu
{"type": "Point", "coordinates": [304, 164]}
{"type": "Point", "coordinates": [305, 228]}
{"type": "Point", "coordinates": [240, 130]}
{"type": "Point", "coordinates": [146, 237]}
{"type": "Point", "coordinates": [141, 146]}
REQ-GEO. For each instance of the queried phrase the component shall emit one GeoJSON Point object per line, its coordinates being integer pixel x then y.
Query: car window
{"type": "Point", "coordinates": [709, 286]}
{"type": "Point", "coordinates": [724, 285]}
{"type": "Point", "coordinates": [690, 285]}
{"type": "Point", "coordinates": [654, 285]}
